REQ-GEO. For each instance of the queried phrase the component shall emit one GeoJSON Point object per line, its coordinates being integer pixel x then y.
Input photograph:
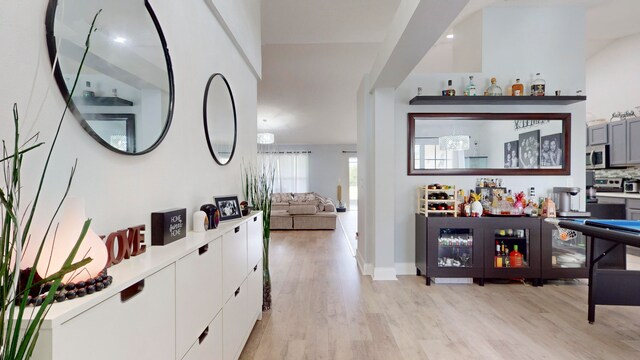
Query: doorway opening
{"type": "Point", "coordinates": [353, 184]}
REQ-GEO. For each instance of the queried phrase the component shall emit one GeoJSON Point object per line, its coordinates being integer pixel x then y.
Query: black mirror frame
{"type": "Point", "coordinates": [566, 130]}
{"type": "Point", "coordinates": [51, 46]}
{"type": "Point", "coordinates": [205, 119]}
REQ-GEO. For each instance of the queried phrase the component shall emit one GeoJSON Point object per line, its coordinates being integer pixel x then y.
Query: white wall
{"type": "Point", "coordinates": [327, 165]}
{"type": "Point", "coordinates": [613, 78]}
{"type": "Point", "coordinates": [366, 231]}
{"type": "Point", "coordinates": [241, 21]}
{"type": "Point", "coordinates": [467, 44]}
{"type": "Point", "coordinates": [119, 190]}
{"type": "Point", "coordinates": [556, 49]}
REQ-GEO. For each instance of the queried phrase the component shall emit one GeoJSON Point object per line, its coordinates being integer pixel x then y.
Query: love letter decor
{"type": "Point", "coordinates": [168, 226]}
{"type": "Point", "coordinates": [123, 244]}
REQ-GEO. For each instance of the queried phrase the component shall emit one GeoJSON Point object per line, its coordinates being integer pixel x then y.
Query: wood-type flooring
{"type": "Point", "coordinates": [324, 309]}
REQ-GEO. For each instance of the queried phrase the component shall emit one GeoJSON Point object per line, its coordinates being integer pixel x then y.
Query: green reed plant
{"type": "Point", "coordinates": [257, 187]}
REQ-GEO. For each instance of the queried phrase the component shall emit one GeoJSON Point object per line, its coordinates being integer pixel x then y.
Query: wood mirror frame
{"type": "Point", "coordinates": [566, 132]}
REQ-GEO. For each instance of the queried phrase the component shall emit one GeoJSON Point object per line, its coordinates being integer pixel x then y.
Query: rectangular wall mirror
{"type": "Point", "coordinates": [489, 144]}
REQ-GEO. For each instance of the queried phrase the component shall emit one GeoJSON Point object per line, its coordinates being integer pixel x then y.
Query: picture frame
{"type": "Point", "coordinates": [510, 156]}
{"type": "Point", "coordinates": [229, 207]}
{"type": "Point", "coordinates": [551, 148]}
{"type": "Point", "coordinates": [529, 154]}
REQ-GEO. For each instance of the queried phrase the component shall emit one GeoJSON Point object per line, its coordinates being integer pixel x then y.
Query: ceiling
{"type": "Point", "coordinates": [315, 54]}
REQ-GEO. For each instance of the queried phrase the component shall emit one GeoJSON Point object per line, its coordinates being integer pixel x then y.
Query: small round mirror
{"type": "Point", "coordinates": [220, 126]}
{"type": "Point", "coordinates": [124, 93]}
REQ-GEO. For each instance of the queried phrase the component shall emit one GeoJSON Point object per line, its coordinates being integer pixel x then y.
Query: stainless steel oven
{"type": "Point", "coordinates": [597, 157]}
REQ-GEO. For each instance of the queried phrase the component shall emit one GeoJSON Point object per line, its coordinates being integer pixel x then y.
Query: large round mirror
{"type": "Point", "coordinates": [220, 125]}
{"type": "Point", "coordinates": [124, 94]}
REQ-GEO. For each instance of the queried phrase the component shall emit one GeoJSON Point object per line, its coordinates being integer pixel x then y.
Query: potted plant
{"type": "Point", "coordinates": [257, 186]}
{"type": "Point", "coordinates": [19, 331]}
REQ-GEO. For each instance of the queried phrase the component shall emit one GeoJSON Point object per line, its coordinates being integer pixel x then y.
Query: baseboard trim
{"type": "Point", "coordinates": [365, 268]}
{"type": "Point", "coordinates": [405, 268]}
{"type": "Point", "coordinates": [384, 273]}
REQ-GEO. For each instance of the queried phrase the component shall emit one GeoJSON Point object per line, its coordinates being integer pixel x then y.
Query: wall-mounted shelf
{"type": "Point", "coordinates": [496, 100]}
{"type": "Point", "coordinates": [102, 101]}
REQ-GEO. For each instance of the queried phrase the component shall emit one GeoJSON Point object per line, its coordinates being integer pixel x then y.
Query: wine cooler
{"type": "Point", "coordinates": [453, 248]}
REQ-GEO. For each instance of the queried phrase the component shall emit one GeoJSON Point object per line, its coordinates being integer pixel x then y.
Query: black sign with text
{"type": "Point", "coordinates": [168, 226]}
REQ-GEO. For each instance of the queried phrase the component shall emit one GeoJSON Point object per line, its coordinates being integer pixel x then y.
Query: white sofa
{"type": "Point", "coordinates": [302, 211]}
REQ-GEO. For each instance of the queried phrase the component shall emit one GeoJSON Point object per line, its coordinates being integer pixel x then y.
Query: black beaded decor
{"type": "Point", "coordinates": [67, 291]}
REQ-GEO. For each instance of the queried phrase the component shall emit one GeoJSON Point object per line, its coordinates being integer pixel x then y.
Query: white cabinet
{"type": "Point", "coordinates": [139, 320]}
{"type": "Point", "coordinates": [195, 299]}
{"type": "Point", "coordinates": [234, 323]}
{"type": "Point", "coordinates": [255, 283]}
{"type": "Point", "coordinates": [208, 346]}
{"type": "Point", "coordinates": [234, 260]}
{"type": "Point", "coordinates": [254, 241]}
{"type": "Point", "coordinates": [198, 293]}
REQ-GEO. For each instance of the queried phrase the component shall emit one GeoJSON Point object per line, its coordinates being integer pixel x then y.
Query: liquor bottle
{"type": "Point", "coordinates": [498, 262]}
{"type": "Point", "coordinates": [450, 91]}
{"type": "Point", "coordinates": [507, 260]}
{"type": "Point", "coordinates": [494, 89]}
{"type": "Point", "coordinates": [471, 88]}
{"type": "Point", "coordinates": [88, 92]}
{"type": "Point", "coordinates": [517, 89]}
{"type": "Point", "coordinates": [515, 257]}
{"type": "Point", "coordinates": [537, 86]}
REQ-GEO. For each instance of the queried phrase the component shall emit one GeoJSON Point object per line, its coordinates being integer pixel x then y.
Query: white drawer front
{"type": "Point", "coordinates": [255, 282]}
{"type": "Point", "coordinates": [234, 323]}
{"type": "Point", "coordinates": [234, 260]}
{"type": "Point", "coordinates": [198, 293]}
{"type": "Point", "coordinates": [208, 346]}
{"type": "Point", "coordinates": [254, 240]}
{"type": "Point", "coordinates": [143, 325]}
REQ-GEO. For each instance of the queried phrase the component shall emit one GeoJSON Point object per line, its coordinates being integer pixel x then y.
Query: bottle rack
{"type": "Point", "coordinates": [423, 201]}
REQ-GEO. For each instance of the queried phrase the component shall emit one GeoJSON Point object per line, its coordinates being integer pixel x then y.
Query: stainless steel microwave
{"type": "Point", "coordinates": [597, 157]}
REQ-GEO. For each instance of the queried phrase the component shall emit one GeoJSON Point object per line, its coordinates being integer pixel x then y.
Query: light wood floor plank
{"type": "Point", "coordinates": [324, 309]}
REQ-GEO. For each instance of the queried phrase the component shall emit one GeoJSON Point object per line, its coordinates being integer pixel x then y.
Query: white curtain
{"type": "Point", "coordinates": [292, 172]}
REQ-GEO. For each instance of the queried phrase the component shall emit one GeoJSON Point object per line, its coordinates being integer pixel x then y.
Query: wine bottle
{"type": "Point", "coordinates": [450, 91]}
{"type": "Point", "coordinates": [498, 262]}
{"type": "Point", "coordinates": [517, 89]}
{"type": "Point", "coordinates": [515, 258]}
{"type": "Point", "coordinates": [538, 86]}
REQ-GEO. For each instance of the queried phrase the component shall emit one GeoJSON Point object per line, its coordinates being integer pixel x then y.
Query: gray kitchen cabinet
{"type": "Point", "coordinates": [633, 209]}
{"type": "Point", "coordinates": [618, 143]}
{"type": "Point", "coordinates": [633, 214]}
{"type": "Point", "coordinates": [598, 134]}
{"type": "Point", "coordinates": [633, 141]}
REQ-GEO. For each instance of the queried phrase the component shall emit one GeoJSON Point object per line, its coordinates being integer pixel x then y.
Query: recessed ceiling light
{"type": "Point", "coordinates": [450, 36]}
{"type": "Point", "coordinates": [119, 39]}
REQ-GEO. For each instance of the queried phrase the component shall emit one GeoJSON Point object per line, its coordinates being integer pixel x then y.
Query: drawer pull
{"type": "Point", "coordinates": [237, 292]}
{"type": "Point", "coordinates": [133, 290]}
{"type": "Point", "coordinates": [237, 229]}
{"type": "Point", "coordinates": [255, 268]}
{"type": "Point", "coordinates": [203, 249]}
{"type": "Point", "coordinates": [203, 335]}
{"type": "Point", "coordinates": [255, 219]}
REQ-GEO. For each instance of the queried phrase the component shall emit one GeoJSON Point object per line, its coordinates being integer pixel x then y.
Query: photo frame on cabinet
{"type": "Point", "coordinates": [228, 206]}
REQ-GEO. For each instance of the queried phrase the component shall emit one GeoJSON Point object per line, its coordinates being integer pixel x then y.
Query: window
{"type": "Point", "coordinates": [292, 172]}
{"type": "Point", "coordinates": [429, 156]}
{"type": "Point", "coordinates": [353, 183]}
